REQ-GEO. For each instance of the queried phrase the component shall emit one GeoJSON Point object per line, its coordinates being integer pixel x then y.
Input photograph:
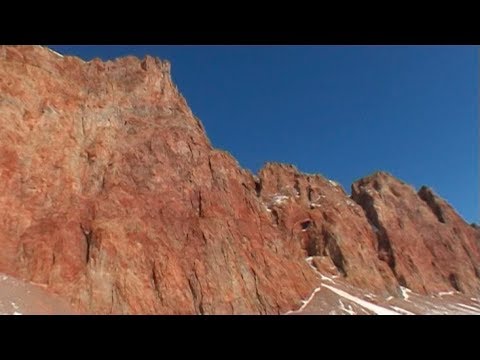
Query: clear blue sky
{"type": "Point", "coordinates": [342, 111]}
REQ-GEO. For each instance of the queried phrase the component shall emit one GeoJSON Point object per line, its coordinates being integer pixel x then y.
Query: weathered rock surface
{"type": "Point", "coordinates": [318, 214]}
{"type": "Point", "coordinates": [425, 243]}
{"type": "Point", "coordinates": [112, 197]}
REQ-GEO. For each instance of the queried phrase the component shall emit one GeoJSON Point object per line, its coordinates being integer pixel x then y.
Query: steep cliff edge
{"type": "Point", "coordinates": [112, 196]}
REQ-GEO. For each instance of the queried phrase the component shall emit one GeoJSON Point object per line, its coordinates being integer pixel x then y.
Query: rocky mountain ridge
{"type": "Point", "coordinates": [113, 197]}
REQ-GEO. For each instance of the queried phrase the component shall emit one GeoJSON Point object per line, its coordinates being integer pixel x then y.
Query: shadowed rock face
{"type": "Point", "coordinates": [318, 214]}
{"type": "Point", "coordinates": [112, 196]}
{"type": "Point", "coordinates": [426, 244]}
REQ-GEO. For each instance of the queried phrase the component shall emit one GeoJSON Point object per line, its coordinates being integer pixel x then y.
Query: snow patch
{"type": "Point", "coordinates": [402, 311]}
{"type": "Point", "coordinates": [333, 183]}
{"type": "Point", "coordinates": [349, 311]}
{"type": "Point", "coordinates": [405, 292]}
{"type": "Point", "coordinates": [17, 313]}
{"type": "Point", "coordinates": [322, 277]}
{"type": "Point", "coordinates": [443, 293]}
{"type": "Point", "coordinates": [305, 302]}
{"type": "Point", "coordinates": [389, 298]}
{"type": "Point", "coordinates": [367, 305]}
{"type": "Point", "coordinates": [279, 199]}
{"type": "Point", "coordinates": [56, 53]}
{"type": "Point", "coordinates": [325, 278]}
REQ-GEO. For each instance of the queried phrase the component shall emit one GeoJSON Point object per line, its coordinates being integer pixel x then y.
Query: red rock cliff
{"type": "Point", "coordinates": [113, 197]}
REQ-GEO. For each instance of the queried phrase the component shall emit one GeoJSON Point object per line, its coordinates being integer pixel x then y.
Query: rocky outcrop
{"type": "Point", "coordinates": [331, 227]}
{"type": "Point", "coordinates": [425, 243]}
{"type": "Point", "coordinates": [112, 196]}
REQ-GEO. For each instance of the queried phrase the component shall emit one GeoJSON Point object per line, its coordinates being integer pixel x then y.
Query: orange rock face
{"type": "Point", "coordinates": [112, 196]}
{"type": "Point", "coordinates": [331, 227]}
{"type": "Point", "coordinates": [426, 244]}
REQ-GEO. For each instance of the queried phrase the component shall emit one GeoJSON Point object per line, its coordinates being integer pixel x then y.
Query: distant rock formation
{"type": "Point", "coordinates": [112, 196]}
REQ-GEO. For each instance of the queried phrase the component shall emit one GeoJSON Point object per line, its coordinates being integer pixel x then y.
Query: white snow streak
{"type": "Point", "coordinates": [405, 292]}
{"type": "Point", "coordinates": [402, 311]}
{"type": "Point", "coordinates": [470, 307]}
{"type": "Point", "coordinates": [56, 53]}
{"type": "Point", "coordinates": [349, 311]}
{"type": "Point", "coordinates": [367, 305]}
{"type": "Point", "coordinates": [323, 277]}
{"type": "Point", "coordinates": [279, 199]}
{"type": "Point", "coordinates": [305, 302]}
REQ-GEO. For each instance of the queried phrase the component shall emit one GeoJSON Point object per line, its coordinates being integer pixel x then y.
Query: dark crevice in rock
{"type": "Point", "coordinates": [476, 271]}
{"type": "Point", "coordinates": [385, 251]}
{"type": "Point", "coordinates": [200, 206]}
{"type": "Point", "coordinates": [196, 290]}
{"type": "Point", "coordinates": [305, 224]}
{"type": "Point", "coordinates": [156, 284]}
{"type": "Point", "coordinates": [311, 247]}
{"type": "Point", "coordinates": [296, 186]}
{"type": "Point", "coordinates": [87, 233]}
{"type": "Point", "coordinates": [429, 198]}
{"type": "Point", "coordinates": [258, 187]}
{"type": "Point", "coordinates": [112, 299]}
{"type": "Point", "coordinates": [309, 193]}
{"type": "Point", "coordinates": [453, 278]}
{"type": "Point", "coordinates": [275, 215]}
{"type": "Point", "coordinates": [335, 253]}
{"type": "Point", "coordinates": [402, 281]}
{"type": "Point", "coordinates": [257, 293]}
{"type": "Point", "coordinates": [102, 185]}
{"type": "Point", "coordinates": [211, 169]}
{"type": "Point", "coordinates": [384, 246]}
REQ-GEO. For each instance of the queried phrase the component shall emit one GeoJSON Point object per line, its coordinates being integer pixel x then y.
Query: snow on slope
{"type": "Point", "coordinates": [368, 305]}
{"type": "Point", "coordinates": [18, 298]}
{"type": "Point", "coordinates": [335, 297]}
